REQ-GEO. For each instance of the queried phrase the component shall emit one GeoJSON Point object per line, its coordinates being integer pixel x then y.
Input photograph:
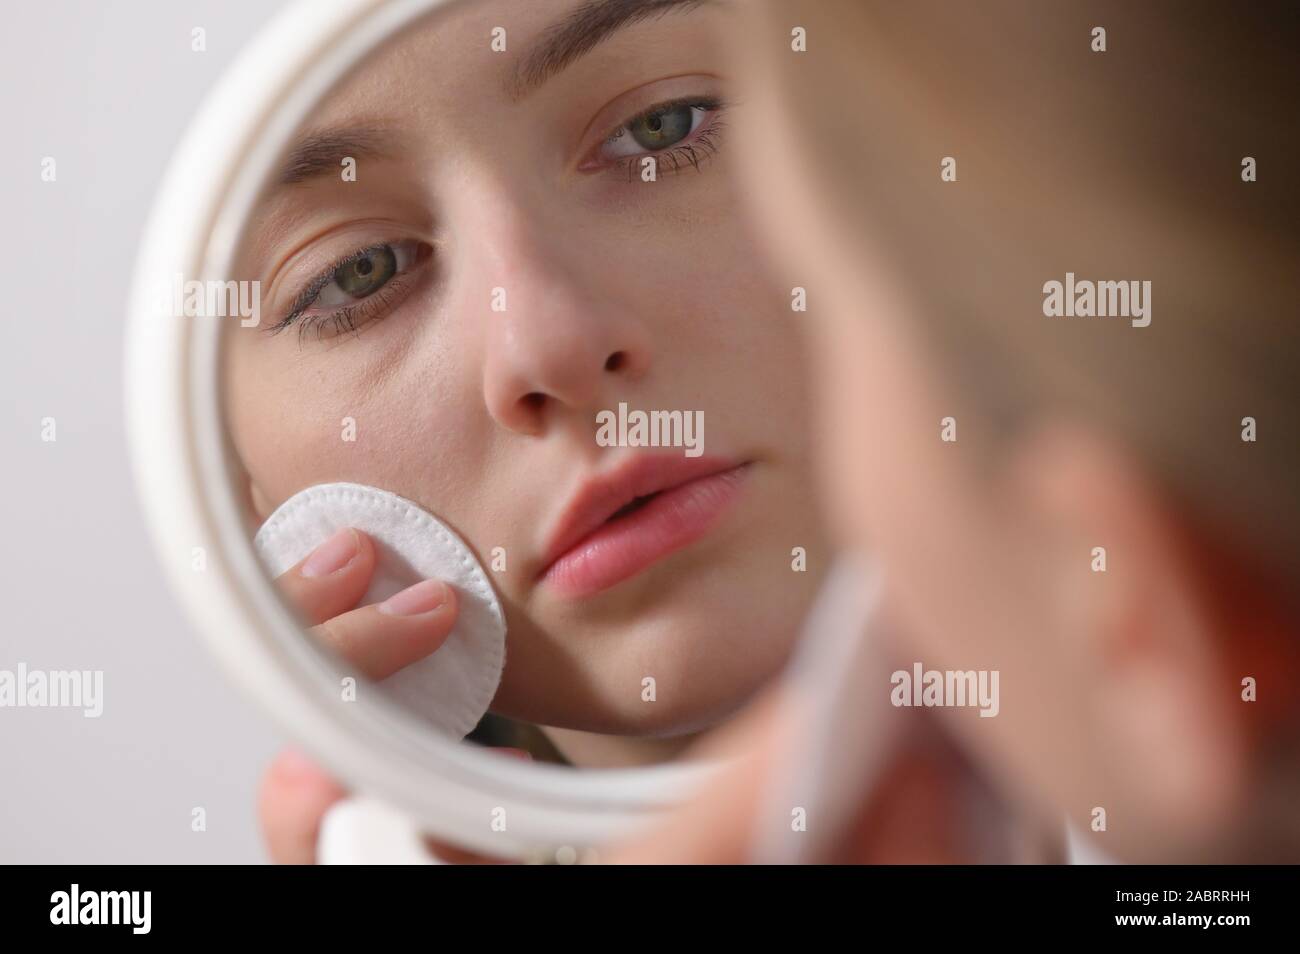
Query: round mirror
{"type": "Point", "coordinates": [466, 419]}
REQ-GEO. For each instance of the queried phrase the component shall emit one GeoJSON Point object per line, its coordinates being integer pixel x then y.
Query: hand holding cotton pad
{"type": "Point", "coordinates": [453, 687]}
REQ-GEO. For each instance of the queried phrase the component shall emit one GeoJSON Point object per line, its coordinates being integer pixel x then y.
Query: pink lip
{"type": "Point", "coordinates": [590, 552]}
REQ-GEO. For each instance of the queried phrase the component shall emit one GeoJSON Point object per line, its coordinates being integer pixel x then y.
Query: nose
{"type": "Point", "coordinates": [556, 346]}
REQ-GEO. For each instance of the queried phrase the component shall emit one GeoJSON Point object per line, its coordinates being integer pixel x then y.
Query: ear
{"type": "Point", "coordinates": [1171, 736]}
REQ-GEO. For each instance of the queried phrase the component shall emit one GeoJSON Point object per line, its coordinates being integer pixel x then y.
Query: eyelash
{"type": "Point", "coordinates": [345, 318]}
{"type": "Point", "coordinates": [693, 151]}
{"type": "Point", "coordinates": [702, 144]}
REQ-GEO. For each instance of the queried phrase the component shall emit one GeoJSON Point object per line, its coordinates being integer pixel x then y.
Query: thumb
{"type": "Point", "coordinates": [294, 797]}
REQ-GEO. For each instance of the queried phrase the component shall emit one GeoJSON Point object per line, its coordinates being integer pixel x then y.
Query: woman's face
{"type": "Point", "coordinates": [512, 275]}
{"type": "Point", "coordinates": [988, 553]}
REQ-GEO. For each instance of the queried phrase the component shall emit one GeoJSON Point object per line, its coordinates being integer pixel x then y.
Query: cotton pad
{"type": "Point", "coordinates": [453, 687]}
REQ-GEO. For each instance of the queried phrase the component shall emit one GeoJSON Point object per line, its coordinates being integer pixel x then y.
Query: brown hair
{"type": "Point", "coordinates": [1117, 165]}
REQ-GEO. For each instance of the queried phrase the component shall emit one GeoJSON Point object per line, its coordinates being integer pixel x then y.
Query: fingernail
{"type": "Point", "coordinates": [423, 597]}
{"type": "Point", "coordinates": [334, 554]}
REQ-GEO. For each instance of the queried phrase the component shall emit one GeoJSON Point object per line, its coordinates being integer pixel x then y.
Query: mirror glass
{"type": "Point", "coordinates": [502, 272]}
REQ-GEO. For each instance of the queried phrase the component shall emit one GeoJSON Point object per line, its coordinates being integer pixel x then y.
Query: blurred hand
{"type": "Point", "coordinates": [914, 815]}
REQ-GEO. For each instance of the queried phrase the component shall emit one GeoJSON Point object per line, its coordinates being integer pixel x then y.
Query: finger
{"type": "Point", "coordinates": [910, 816]}
{"type": "Point", "coordinates": [717, 826]}
{"type": "Point", "coordinates": [332, 578]}
{"type": "Point", "coordinates": [383, 638]}
{"type": "Point", "coordinates": [293, 799]}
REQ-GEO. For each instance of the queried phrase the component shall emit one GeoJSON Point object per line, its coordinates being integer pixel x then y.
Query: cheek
{"type": "Point", "coordinates": [843, 436]}
{"type": "Point", "coordinates": [304, 418]}
{"type": "Point", "coordinates": [895, 489]}
{"type": "Point", "coordinates": [286, 445]}
{"type": "Point", "coordinates": [872, 419]}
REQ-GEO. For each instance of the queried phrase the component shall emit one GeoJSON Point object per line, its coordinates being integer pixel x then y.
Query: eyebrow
{"type": "Point", "coordinates": [322, 151]}
{"type": "Point", "coordinates": [573, 37]}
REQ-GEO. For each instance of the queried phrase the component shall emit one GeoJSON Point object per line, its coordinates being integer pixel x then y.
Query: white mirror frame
{"type": "Point", "coordinates": [184, 471]}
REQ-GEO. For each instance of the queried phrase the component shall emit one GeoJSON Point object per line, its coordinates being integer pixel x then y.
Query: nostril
{"type": "Point", "coordinates": [615, 361]}
{"type": "Point", "coordinates": [534, 400]}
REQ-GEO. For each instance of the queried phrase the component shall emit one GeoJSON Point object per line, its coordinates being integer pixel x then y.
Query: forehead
{"type": "Point", "coordinates": [439, 100]}
{"type": "Point", "coordinates": [488, 57]}
{"type": "Point", "coordinates": [444, 53]}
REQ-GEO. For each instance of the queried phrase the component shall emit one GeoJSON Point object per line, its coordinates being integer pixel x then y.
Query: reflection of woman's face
{"type": "Point", "coordinates": [479, 170]}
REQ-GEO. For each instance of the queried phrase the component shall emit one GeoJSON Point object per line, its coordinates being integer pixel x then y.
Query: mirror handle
{"type": "Point", "coordinates": [360, 830]}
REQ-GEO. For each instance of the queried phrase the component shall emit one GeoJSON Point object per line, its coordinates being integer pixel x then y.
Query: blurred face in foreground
{"type": "Point", "coordinates": [1124, 676]}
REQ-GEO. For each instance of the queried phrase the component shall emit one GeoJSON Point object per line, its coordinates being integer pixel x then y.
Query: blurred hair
{"type": "Point", "coordinates": [1116, 165]}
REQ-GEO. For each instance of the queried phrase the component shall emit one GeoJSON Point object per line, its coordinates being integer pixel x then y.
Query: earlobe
{"type": "Point", "coordinates": [1171, 747]}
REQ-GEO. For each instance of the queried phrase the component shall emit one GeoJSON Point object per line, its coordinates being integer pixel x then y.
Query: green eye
{"type": "Point", "coordinates": [355, 289]}
{"type": "Point", "coordinates": [679, 132]}
{"type": "Point", "coordinates": [662, 128]}
{"type": "Point", "coordinates": [366, 275]}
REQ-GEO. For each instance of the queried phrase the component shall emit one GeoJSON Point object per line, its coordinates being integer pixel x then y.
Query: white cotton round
{"type": "Point", "coordinates": [453, 687]}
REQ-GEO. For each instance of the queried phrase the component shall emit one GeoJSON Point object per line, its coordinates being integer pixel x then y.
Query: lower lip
{"type": "Point", "coordinates": [623, 548]}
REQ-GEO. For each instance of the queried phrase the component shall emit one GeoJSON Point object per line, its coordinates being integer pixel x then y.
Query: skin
{"type": "Point", "coordinates": [295, 794]}
{"type": "Point", "coordinates": [660, 276]}
{"type": "Point", "coordinates": [376, 641]}
{"type": "Point", "coordinates": [989, 567]}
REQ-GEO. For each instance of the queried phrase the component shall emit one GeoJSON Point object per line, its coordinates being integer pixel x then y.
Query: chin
{"type": "Point", "coordinates": [704, 674]}
{"type": "Point", "coordinates": [712, 633]}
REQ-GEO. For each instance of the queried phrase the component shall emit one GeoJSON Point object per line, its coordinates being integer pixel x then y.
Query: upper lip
{"type": "Point", "coordinates": [600, 497]}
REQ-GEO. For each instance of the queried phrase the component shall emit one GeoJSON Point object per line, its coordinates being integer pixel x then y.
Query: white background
{"type": "Point", "coordinates": [105, 88]}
